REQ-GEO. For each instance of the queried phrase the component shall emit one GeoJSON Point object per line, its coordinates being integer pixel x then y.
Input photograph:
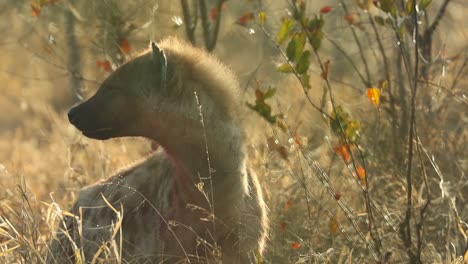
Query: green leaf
{"type": "Point", "coordinates": [269, 93]}
{"type": "Point", "coordinates": [339, 117]}
{"type": "Point", "coordinates": [299, 10]}
{"type": "Point", "coordinates": [315, 24]}
{"type": "Point", "coordinates": [315, 28]}
{"type": "Point", "coordinates": [379, 20]}
{"type": "Point", "coordinates": [296, 46]}
{"type": "Point", "coordinates": [387, 5]}
{"type": "Point", "coordinates": [306, 81]}
{"type": "Point", "coordinates": [300, 43]}
{"type": "Point", "coordinates": [409, 6]}
{"type": "Point", "coordinates": [262, 108]}
{"type": "Point", "coordinates": [261, 18]}
{"type": "Point", "coordinates": [423, 4]}
{"type": "Point", "coordinates": [285, 68]}
{"type": "Point", "coordinates": [286, 27]}
{"type": "Point", "coordinates": [317, 40]}
{"type": "Point", "coordinates": [291, 50]}
{"type": "Point", "coordinates": [351, 127]}
{"type": "Point", "coordinates": [352, 130]}
{"type": "Point", "coordinates": [303, 64]}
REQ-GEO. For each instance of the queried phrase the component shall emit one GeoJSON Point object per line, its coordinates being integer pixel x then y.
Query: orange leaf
{"type": "Point", "coordinates": [341, 150]}
{"type": "Point", "coordinates": [295, 245]}
{"type": "Point", "coordinates": [297, 138]}
{"type": "Point", "coordinates": [374, 95]}
{"type": "Point", "coordinates": [259, 94]}
{"type": "Point", "coordinates": [125, 46]}
{"type": "Point", "coordinates": [326, 67]}
{"type": "Point", "coordinates": [214, 11]}
{"type": "Point", "coordinates": [243, 20]}
{"type": "Point", "coordinates": [105, 65]}
{"type": "Point", "coordinates": [274, 144]}
{"type": "Point", "coordinates": [337, 196]}
{"type": "Point", "coordinates": [349, 17]}
{"type": "Point", "coordinates": [325, 9]}
{"type": "Point", "coordinates": [361, 174]}
{"type": "Point", "coordinates": [365, 4]}
{"type": "Point", "coordinates": [47, 49]}
{"type": "Point", "coordinates": [334, 227]}
{"type": "Point", "coordinates": [282, 226]}
{"type": "Point", "coordinates": [288, 205]}
{"type": "Point", "coordinates": [35, 9]}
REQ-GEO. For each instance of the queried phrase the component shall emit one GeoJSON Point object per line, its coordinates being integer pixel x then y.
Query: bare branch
{"type": "Point", "coordinates": [189, 24]}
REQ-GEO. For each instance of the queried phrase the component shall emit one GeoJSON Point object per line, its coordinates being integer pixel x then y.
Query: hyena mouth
{"type": "Point", "coordinates": [100, 133]}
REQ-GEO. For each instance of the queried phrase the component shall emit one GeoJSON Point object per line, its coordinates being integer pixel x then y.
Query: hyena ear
{"type": "Point", "coordinates": [160, 59]}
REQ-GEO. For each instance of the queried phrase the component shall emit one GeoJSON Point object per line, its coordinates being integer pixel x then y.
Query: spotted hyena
{"type": "Point", "coordinates": [193, 200]}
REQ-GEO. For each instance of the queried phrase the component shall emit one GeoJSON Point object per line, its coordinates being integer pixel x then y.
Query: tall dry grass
{"type": "Point", "coordinates": [319, 208]}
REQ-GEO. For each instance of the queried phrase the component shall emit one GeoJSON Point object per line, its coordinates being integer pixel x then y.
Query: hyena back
{"type": "Point", "coordinates": [192, 201]}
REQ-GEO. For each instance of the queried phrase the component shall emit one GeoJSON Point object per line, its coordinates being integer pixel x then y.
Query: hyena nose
{"type": "Point", "coordinates": [72, 114]}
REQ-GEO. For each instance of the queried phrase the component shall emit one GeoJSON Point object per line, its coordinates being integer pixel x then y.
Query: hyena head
{"type": "Point", "coordinates": [120, 106]}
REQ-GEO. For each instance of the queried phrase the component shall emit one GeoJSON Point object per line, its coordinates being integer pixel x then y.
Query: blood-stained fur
{"type": "Point", "coordinates": [194, 200]}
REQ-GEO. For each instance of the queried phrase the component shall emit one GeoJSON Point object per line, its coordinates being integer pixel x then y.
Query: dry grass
{"type": "Point", "coordinates": [317, 205]}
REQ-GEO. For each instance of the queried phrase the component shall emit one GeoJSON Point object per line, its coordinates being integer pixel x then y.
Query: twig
{"type": "Point", "coordinates": [447, 90]}
{"type": "Point", "coordinates": [205, 22]}
{"type": "Point", "coordinates": [423, 210]}
{"type": "Point", "coordinates": [393, 111]}
{"type": "Point", "coordinates": [358, 43]}
{"type": "Point", "coordinates": [431, 29]}
{"type": "Point", "coordinates": [214, 37]}
{"type": "Point", "coordinates": [295, 73]}
{"type": "Point", "coordinates": [189, 24]}
{"type": "Point", "coordinates": [409, 173]}
{"type": "Point", "coordinates": [426, 38]}
{"type": "Point", "coordinates": [348, 58]}
{"type": "Point", "coordinates": [459, 74]}
{"type": "Point", "coordinates": [210, 38]}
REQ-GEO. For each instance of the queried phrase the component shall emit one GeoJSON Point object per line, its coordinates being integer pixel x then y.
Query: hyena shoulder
{"type": "Point", "coordinates": [141, 179]}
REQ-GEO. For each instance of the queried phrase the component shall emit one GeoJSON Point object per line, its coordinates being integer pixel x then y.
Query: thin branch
{"type": "Point", "coordinates": [358, 43]}
{"type": "Point", "coordinates": [350, 61]}
{"type": "Point", "coordinates": [214, 37]}
{"type": "Point", "coordinates": [205, 22]}
{"type": "Point", "coordinates": [447, 90]}
{"type": "Point", "coordinates": [295, 73]}
{"type": "Point", "coordinates": [423, 210]}
{"type": "Point", "coordinates": [431, 29]}
{"type": "Point", "coordinates": [460, 73]}
{"type": "Point", "coordinates": [189, 25]}
{"type": "Point", "coordinates": [426, 38]}
{"type": "Point", "coordinates": [409, 173]}
{"type": "Point", "coordinates": [393, 111]}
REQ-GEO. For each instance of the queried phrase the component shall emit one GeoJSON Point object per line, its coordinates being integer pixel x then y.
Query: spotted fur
{"type": "Point", "coordinates": [194, 200]}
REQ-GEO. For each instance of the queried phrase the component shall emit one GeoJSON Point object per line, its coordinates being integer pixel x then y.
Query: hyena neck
{"type": "Point", "coordinates": [198, 122]}
{"type": "Point", "coordinates": [211, 152]}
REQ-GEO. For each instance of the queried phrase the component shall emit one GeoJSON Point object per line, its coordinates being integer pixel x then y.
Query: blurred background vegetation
{"type": "Point", "coordinates": [362, 147]}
